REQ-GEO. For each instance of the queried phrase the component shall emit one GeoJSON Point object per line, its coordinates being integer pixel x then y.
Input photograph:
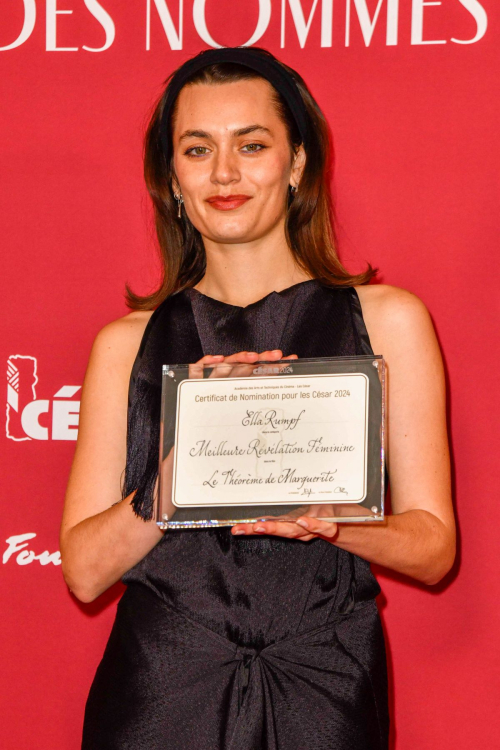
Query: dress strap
{"type": "Point", "coordinates": [140, 353]}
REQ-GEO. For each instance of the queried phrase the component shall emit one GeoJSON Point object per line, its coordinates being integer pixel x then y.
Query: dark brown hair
{"type": "Point", "coordinates": [310, 225]}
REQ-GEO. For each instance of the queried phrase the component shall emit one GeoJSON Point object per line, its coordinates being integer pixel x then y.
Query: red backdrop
{"type": "Point", "coordinates": [410, 90]}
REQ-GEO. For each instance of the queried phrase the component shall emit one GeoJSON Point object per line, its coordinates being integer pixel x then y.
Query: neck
{"type": "Point", "coordinates": [240, 274]}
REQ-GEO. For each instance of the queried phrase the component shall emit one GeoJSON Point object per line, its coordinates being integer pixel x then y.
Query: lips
{"type": "Point", "coordinates": [227, 202]}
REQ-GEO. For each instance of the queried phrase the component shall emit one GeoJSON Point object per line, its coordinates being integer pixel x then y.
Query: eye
{"type": "Point", "coordinates": [253, 150]}
{"type": "Point", "coordinates": [197, 149]}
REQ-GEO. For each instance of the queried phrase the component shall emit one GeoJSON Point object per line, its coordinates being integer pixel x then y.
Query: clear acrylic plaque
{"type": "Point", "coordinates": [272, 441]}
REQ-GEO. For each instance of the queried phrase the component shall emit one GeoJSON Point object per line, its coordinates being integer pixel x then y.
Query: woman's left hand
{"type": "Point", "coordinates": [303, 528]}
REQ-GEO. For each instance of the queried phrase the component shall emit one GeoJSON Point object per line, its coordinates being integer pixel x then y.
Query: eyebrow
{"type": "Point", "coordinates": [237, 133]}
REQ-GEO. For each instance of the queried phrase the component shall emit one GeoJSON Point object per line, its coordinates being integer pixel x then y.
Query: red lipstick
{"type": "Point", "coordinates": [227, 202]}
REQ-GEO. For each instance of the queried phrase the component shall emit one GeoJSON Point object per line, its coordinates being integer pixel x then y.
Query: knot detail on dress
{"type": "Point", "coordinates": [247, 656]}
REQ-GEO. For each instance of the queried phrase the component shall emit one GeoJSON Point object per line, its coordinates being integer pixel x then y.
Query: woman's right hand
{"type": "Point", "coordinates": [240, 364]}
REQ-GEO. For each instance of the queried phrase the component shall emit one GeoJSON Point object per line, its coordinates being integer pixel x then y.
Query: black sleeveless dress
{"type": "Point", "coordinates": [223, 642]}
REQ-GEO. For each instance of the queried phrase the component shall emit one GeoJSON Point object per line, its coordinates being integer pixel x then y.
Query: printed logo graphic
{"type": "Point", "coordinates": [29, 418]}
{"type": "Point", "coordinates": [17, 550]}
{"type": "Point", "coordinates": [295, 21]}
{"type": "Point", "coordinates": [270, 369]}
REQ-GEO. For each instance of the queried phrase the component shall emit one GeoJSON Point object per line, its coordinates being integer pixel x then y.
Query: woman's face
{"type": "Point", "coordinates": [230, 142]}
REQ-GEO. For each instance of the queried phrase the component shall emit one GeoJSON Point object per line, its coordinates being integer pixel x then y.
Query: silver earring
{"type": "Point", "coordinates": [180, 201]}
{"type": "Point", "coordinates": [293, 188]}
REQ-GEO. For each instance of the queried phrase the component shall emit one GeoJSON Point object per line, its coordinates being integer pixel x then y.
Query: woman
{"type": "Point", "coordinates": [245, 637]}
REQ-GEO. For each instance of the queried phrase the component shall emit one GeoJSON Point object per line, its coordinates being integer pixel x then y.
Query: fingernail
{"type": "Point", "coordinates": [258, 528]}
{"type": "Point", "coordinates": [238, 531]}
{"type": "Point", "coordinates": [276, 351]}
{"type": "Point", "coordinates": [303, 523]}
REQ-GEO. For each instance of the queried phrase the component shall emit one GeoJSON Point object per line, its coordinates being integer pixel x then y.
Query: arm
{"type": "Point", "coordinates": [99, 540]}
{"type": "Point", "coordinates": [419, 538]}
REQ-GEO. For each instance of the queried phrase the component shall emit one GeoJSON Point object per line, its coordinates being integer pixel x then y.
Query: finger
{"type": "Point", "coordinates": [242, 364]}
{"type": "Point", "coordinates": [195, 370]}
{"type": "Point", "coordinates": [326, 529]}
{"type": "Point", "coordinates": [243, 357]}
{"type": "Point", "coordinates": [271, 354]}
{"type": "Point", "coordinates": [241, 369]}
{"type": "Point", "coordinates": [285, 529]}
{"type": "Point", "coordinates": [238, 370]}
{"type": "Point", "coordinates": [247, 530]}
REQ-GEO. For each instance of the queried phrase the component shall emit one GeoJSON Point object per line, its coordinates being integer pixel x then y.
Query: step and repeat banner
{"type": "Point", "coordinates": [410, 89]}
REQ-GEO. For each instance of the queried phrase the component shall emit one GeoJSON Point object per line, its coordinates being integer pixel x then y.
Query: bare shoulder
{"type": "Point", "coordinates": [118, 342]}
{"type": "Point", "coordinates": [394, 317]}
{"type": "Point", "coordinates": [387, 301]}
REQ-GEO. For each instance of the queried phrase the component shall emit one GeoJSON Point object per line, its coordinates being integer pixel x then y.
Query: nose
{"type": "Point", "coordinates": [225, 168]}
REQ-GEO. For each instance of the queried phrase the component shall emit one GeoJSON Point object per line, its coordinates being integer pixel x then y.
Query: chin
{"type": "Point", "coordinates": [231, 233]}
{"type": "Point", "coordinates": [233, 239]}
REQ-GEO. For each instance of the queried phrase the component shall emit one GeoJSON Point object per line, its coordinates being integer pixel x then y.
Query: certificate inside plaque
{"type": "Point", "coordinates": [272, 441]}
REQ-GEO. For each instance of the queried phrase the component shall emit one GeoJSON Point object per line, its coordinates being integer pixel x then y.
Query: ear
{"type": "Point", "coordinates": [299, 162]}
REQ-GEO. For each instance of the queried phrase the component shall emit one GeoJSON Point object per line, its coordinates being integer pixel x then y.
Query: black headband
{"type": "Point", "coordinates": [265, 65]}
